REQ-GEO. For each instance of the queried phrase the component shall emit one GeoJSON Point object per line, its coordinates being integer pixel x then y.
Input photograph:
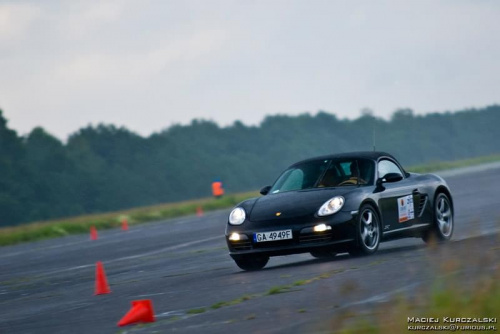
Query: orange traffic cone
{"type": "Point", "coordinates": [124, 225]}
{"type": "Point", "coordinates": [101, 282]}
{"type": "Point", "coordinates": [199, 211]}
{"type": "Point", "coordinates": [93, 233]}
{"type": "Point", "coordinates": [141, 311]}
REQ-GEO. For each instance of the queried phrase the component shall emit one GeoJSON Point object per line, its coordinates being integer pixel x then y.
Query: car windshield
{"type": "Point", "coordinates": [325, 174]}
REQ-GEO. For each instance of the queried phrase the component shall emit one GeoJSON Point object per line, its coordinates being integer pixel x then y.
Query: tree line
{"type": "Point", "coordinates": [103, 168]}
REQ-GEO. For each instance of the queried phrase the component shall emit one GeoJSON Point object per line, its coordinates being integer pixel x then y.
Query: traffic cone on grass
{"type": "Point", "coordinates": [124, 224]}
{"type": "Point", "coordinates": [101, 282]}
{"type": "Point", "coordinates": [93, 233]}
{"type": "Point", "coordinates": [141, 311]}
{"type": "Point", "coordinates": [199, 211]}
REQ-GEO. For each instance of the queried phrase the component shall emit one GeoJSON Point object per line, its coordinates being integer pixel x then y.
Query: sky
{"type": "Point", "coordinates": [147, 65]}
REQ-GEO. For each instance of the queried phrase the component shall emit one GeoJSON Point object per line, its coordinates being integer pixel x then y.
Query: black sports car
{"type": "Point", "coordinates": [337, 203]}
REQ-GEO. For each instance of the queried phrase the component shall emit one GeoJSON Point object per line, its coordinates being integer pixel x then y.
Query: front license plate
{"type": "Point", "coordinates": [273, 236]}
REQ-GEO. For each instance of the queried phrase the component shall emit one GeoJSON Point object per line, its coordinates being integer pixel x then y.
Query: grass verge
{"type": "Point", "coordinates": [82, 224]}
{"type": "Point", "coordinates": [442, 165]}
{"type": "Point", "coordinates": [61, 227]}
{"type": "Point", "coordinates": [465, 286]}
{"type": "Point", "coordinates": [443, 302]}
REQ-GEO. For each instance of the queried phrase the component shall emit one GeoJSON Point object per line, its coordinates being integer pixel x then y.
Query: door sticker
{"type": "Point", "coordinates": [405, 208]}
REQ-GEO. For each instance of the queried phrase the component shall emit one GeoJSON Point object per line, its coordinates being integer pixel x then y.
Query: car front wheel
{"type": "Point", "coordinates": [367, 232]}
{"type": "Point", "coordinates": [252, 263]}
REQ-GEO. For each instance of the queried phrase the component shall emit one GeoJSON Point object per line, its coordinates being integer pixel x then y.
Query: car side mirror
{"type": "Point", "coordinates": [265, 190]}
{"type": "Point", "coordinates": [390, 177]}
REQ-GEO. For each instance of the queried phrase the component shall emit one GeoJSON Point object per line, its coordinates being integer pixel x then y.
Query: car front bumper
{"type": "Point", "coordinates": [304, 239]}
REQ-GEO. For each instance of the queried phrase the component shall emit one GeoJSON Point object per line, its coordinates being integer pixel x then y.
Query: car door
{"type": "Point", "coordinates": [397, 200]}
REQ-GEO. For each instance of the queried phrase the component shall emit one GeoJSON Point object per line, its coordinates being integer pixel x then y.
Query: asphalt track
{"type": "Point", "coordinates": [182, 265]}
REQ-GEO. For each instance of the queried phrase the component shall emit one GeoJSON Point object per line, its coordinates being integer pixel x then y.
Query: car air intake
{"type": "Point", "coordinates": [241, 245]}
{"type": "Point", "coordinates": [315, 237]}
{"type": "Point", "coordinates": [421, 205]}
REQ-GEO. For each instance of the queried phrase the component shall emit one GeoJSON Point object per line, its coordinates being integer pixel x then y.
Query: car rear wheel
{"type": "Point", "coordinates": [367, 232]}
{"type": "Point", "coordinates": [442, 227]}
{"type": "Point", "coordinates": [323, 253]}
{"type": "Point", "coordinates": [252, 263]}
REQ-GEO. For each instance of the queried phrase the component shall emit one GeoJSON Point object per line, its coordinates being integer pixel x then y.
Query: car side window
{"type": "Point", "coordinates": [387, 166]}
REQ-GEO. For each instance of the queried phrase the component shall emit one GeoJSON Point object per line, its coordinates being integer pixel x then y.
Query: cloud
{"type": "Point", "coordinates": [80, 19]}
{"type": "Point", "coordinates": [68, 63]}
{"type": "Point", "coordinates": [16, 19]}
{"type": "Point", "coordinates": [165, 57]}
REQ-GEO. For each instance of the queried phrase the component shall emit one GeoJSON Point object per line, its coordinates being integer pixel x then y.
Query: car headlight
{"type": "Point", "coordinates": [237, 216]}
{"type": "Point", "coordinates": [331, 206]}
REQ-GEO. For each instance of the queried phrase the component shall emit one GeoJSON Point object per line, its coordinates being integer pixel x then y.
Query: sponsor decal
{"type": "Point", "coordinates": [405, 208]}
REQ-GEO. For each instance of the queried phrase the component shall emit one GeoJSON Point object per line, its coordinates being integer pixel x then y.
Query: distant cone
{"type": "Point", "coordinates": [101, 282]}
{"type": "Point", "coordinates": [93, 233]}
{"type": "Point", "coordinates": [141, 311]}
{"type": "Point", "coordinates": [124, 225]}
{"type": "Point", "coordinates": [199, 211]}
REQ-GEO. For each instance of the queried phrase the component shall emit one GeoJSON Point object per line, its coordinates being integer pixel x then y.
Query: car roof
{"type": "Point", "coordinates": [372, 155]}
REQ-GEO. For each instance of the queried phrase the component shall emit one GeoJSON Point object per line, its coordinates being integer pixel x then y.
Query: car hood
{"type": "Point", "coordinates": [292, 203]}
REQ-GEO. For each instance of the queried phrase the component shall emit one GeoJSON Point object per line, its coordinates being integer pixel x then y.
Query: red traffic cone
{"type": "Point", "coordinates": [199, 211]}
{"type": "Point", "coordinates": [124, 225]}
{"type": "Point", "coordinates": [93, 233]}
{"type": "Point", "coordinates": [101, 282]}
{"type": "Point", "coordinates": [141, 311]}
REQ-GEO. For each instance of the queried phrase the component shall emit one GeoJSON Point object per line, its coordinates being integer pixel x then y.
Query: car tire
{"type": "Point", "coordinates": [443, 222]}
{"type": "Point", "coordinates": [252, 263]}
{"type": "Point", "coordinates": [323, 253]}
{"type": "Point", "coordinates": [368, 232]}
